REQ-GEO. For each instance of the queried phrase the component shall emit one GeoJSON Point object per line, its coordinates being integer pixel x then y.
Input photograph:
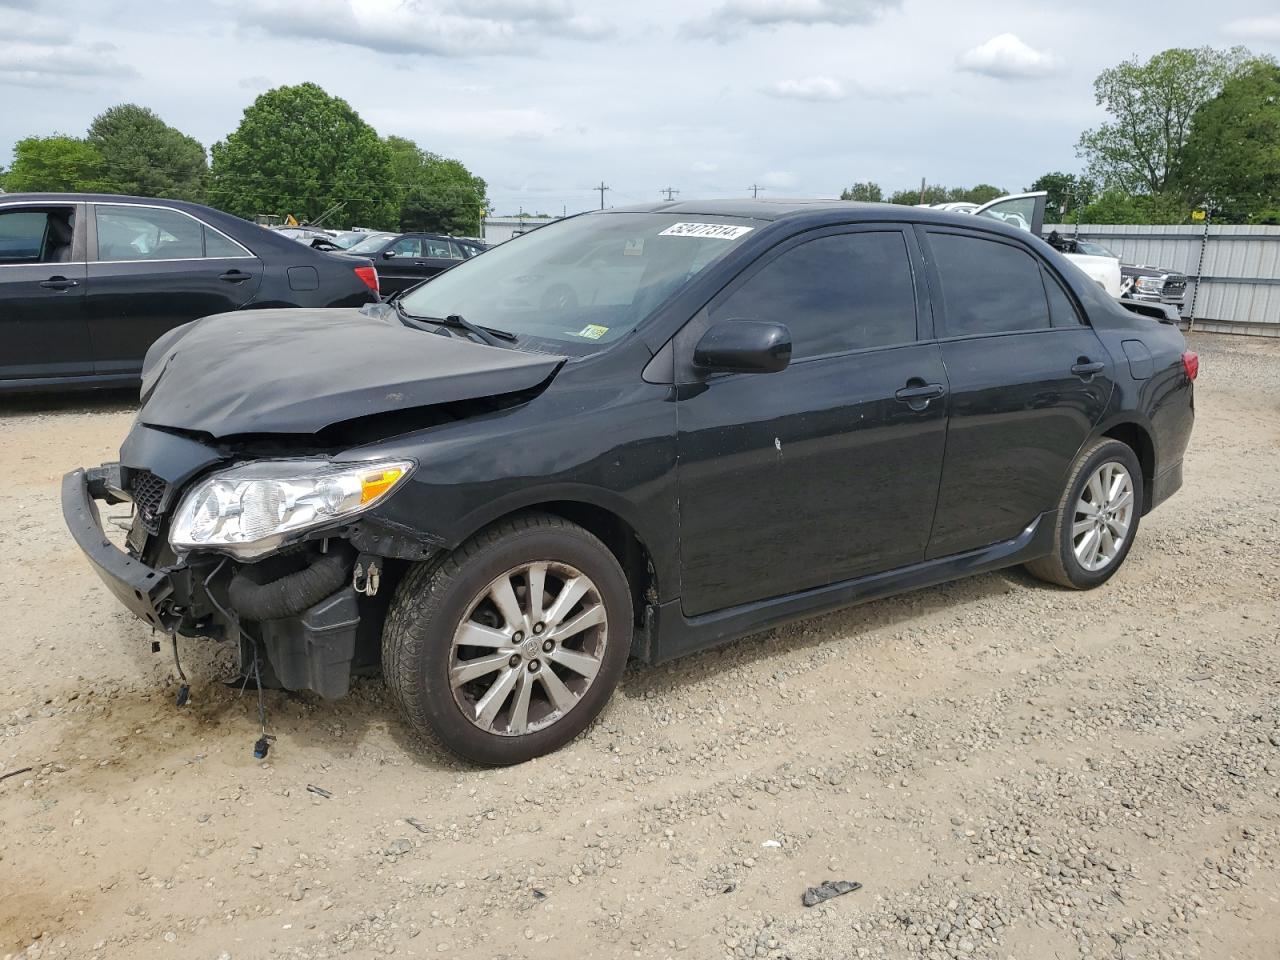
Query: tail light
{"type": "Point", "coordinates": [1191, 363]}
{"type": "Point", "coordinates": [370, 277]}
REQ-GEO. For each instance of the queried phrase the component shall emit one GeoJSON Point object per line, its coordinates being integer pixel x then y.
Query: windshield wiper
{"type": "Point", "coordinates": [489, 335]}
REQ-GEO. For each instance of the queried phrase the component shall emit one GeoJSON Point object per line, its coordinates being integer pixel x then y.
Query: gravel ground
{"type": "Point", "coordinates": [1009, 769]}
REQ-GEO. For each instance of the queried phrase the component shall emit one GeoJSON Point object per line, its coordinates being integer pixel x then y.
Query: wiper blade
{"type": "Point", "coordinates": [490, 335]}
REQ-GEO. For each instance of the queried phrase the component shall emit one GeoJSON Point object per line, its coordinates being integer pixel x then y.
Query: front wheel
{"type": "Point", "coordinates": [510, 646]}
{"type": "Point", "coordinates": [1097, 518]}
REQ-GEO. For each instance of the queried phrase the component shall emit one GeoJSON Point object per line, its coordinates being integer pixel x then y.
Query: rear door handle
{"type": "Point", "coordinates": [1086, 368]}
{"type": "Point", "coordinates": [59, 283]}
{"type": "Point", "coordinates": [235, 276]}
{"type": "Point", "coordinates": [917, 395]}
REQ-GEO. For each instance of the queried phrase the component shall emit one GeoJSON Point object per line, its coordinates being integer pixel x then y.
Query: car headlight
{"type": "Point", "coordinates": [1150, 284]}
{"type": "Point", "coordinates": [253, 508]}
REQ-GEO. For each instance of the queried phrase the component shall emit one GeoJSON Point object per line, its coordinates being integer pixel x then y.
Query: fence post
{"type": "Point", "coordinates": [1195, 294]}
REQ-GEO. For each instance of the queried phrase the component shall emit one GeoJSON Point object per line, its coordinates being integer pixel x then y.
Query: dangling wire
{"type": "Point", "coordinates": [184, 691]}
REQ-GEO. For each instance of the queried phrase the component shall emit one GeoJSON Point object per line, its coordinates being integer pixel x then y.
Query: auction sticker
{"type": "Point", "coordinates": [592, 331]}
{"type": "Point", "coordinates": [716, 231]}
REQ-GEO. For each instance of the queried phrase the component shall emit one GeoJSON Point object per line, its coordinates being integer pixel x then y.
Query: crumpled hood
{"type": "Point", "coordinates": [298, 371]}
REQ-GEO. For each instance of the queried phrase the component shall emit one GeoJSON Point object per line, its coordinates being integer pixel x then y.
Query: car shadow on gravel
{"type": "Point", "coordinates": [847, 624]}
{"type": "Point", "coordinates": [115, 400]}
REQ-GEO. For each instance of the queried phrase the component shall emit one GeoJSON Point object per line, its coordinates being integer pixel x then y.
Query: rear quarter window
{"type": "Point", "coordinates": [988, 286]}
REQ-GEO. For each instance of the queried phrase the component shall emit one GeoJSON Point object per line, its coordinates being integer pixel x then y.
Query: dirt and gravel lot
{"type": "Point", "coordinates": [1010, 770]}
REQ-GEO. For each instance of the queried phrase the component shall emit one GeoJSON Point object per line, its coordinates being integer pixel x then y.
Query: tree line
{"type": "Point", "coordinates": [297, 151]}
{"type": "Point", "coordinates": [1187, 130]}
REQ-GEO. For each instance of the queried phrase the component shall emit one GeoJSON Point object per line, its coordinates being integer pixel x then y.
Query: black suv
{"type": "Point", "coordinates": [405, 259]}
{"type": "Point", "coordinates": [744, 413]}
{"type": "Point", "coordinates": [89, 281]}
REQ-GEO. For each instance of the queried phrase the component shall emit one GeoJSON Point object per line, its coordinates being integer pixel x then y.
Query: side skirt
{"type": "Point", "coordinates": [676, 635]}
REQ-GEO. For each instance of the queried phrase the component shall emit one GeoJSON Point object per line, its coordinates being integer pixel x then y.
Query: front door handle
{"type": "Point", "coordinates": [235, 276]}
{"type": "Point", "coordinates": [917, 393]}
{"type": "Point", "coordinates": [1084, 368]}
{"type": "Point", "coordinates": [59, 283]}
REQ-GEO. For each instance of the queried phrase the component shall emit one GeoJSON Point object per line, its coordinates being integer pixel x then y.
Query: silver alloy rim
{"type": "Point", "coordinates": [1103, 515]}
{"type": "Point", "coordinates": [528, 648]}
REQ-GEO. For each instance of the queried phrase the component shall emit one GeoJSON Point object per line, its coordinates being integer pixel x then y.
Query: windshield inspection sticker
{"type": "Point", "coordinates": [592, 331]}
{"type": "Point", "coordinates": [634, 248]}
{"type": "Point", "coordinates": [716, 231]}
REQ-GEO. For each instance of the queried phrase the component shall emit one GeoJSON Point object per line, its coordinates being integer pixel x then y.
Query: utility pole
{"type": "Point", "coordinates": [755, 189]}
{"type": "Point", "coordinates": [922, 189]}
{"type": "Point", "coordinates": [670, 192]}
{"type": "Point", "coordinates": [602, 188]}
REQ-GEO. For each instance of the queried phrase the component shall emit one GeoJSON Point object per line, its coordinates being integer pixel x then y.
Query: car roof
{"type": "Point", "coordinates": [842, 210]}
{"type": "Point", "coordinates": [98, 198]}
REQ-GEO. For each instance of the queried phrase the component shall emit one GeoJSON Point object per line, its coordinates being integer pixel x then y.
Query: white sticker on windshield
{"type": "Point", "coordinates": [716, 231]}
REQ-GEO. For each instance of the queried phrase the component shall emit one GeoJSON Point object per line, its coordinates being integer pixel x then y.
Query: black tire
{"type": "Point", "coordinates": [1061, 566]}
{"type": "Point", "coordinates": [434, 597]}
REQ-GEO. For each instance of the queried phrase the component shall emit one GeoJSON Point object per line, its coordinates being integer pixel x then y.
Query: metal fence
{"type": "Point", "coordinates": [1233, 272]}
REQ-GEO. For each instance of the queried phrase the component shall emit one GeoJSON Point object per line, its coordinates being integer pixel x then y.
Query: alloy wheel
{"type": "Point", "coordinates": [528, 648]}
{"type": "Point", "coordinates": [1103, 517]}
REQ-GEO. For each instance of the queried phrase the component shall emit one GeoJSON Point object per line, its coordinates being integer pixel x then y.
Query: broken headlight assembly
{"type": "Point", "coordinates": [252, 509]}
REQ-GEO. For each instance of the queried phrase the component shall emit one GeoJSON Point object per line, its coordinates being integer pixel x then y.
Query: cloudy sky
{"type": "Point", "coordinates": [546, 98]}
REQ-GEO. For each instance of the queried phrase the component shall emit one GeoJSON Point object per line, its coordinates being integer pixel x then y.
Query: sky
{"type": "Point", "coordinates": [546, 99]}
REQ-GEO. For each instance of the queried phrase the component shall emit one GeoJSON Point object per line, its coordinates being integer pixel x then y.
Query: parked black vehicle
{"type": "Point", "coordinates": [405, 259]}
{"type": "Point", "coordinates": [89, 281]}
{"type": "Point", "coordinates": [747, 412]}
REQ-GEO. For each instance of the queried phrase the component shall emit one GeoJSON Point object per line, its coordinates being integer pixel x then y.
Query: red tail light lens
{"type": "Point", "coordinates": [1191, 363]}
{"type": "Point", "coordinates": [370, 277]}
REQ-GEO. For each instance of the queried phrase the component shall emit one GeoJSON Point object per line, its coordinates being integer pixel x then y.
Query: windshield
{"type": "Point", "coordinates": [1095, 249]}
{"type": "Point", "coordinates": [372, 243]}
{"type": "Point", "coordinates": [349, 238]}
{"type": "Point", "coordinates": [587, 280]}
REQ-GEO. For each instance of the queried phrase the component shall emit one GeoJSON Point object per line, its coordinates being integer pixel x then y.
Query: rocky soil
{"type": "Point", "coordinates": [1009, 769]}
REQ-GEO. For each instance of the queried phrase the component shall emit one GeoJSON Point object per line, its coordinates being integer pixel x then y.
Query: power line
{"type": "Point", "coordinates": [755, 189]}
{"type": "Point", "coordinates": [602, 188]}
{"type": "Point", "coordinates": [670, 192]}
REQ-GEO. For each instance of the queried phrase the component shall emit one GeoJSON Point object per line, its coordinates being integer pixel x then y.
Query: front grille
{"type": "Point", "coordinates": [1175, 286]}
{"type": "Point", "coordinates": [148, 492]}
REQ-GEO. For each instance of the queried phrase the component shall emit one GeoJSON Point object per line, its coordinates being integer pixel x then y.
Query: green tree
{"type": "Point", "coordinates": [1119, 206]}
{"type": "Point", "coordinates": [435, 193]}
{"type": "Point", "coordinates": [982, 193]}
{"type": "Point", "coordinates": [147, 157]}
{"type": "Point", "coordinates": [55, 164]}
{"type": "Point", "coordinates": [300, 151]}
{"type": "Point", "coordinates": [911, 196]}
{"type": "Point", "coordinates": [867, 191]}
{"type": "Point", "coordinates": [1067, 192]}
{"type": "Point", "coordinates": [1151, 105]}
{"type": "Point", "coordinates": [1232, 160]}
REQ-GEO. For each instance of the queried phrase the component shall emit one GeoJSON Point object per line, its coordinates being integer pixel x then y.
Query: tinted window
{"type": "Point", "coordinates": [838, 293]}
{"type": "Point", "coordinates": [22, 235]}
{"type": "Point", "coordinates": [988, 287]}
{"type": "Point", "coordinates": [406, 247]}
{"type": "Point", "coordinates": [439, 248]}
{"type": "Point", "coordinates": [216, 245]}
{"type": "Point", "coordinates": [147, 233]}
{"type": "Point", "coordinates": [1061, 310]}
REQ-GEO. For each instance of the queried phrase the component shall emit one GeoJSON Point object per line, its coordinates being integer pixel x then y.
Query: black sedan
{"type": "Point", "coordinates": [89, 281]}
{"type": "Point", "coordinates": [404, 259]}
{"type": "Point", "coordinates": [729, 416]}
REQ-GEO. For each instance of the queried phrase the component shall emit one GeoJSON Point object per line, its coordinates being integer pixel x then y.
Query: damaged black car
{"type": "Point", "coordinates": [632, 433]}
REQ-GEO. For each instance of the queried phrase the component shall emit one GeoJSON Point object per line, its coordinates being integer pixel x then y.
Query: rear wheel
{"type": "Point", "coordinates": [1097, 518]}
{"type": "Point", "coordinates": [510, 646]}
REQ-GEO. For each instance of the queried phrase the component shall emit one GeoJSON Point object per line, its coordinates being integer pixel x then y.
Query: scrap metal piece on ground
{"type": "Point", "coordinates": [827, 890]}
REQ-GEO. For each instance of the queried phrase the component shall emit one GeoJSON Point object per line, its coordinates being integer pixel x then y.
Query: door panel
{"type": "Point", "coordinates": [42, 321]}
{"type": "Point", "coordinates": [157, 268]}
{"type": "Point", "coordinates": [806, 477]}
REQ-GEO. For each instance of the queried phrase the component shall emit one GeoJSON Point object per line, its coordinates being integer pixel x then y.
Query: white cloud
{"type": "Point", "coordinates": [777, 179]}
{"type": "Point", "coordinates": [733, 17]}
{"type": "Point", "coordinates": [1005, 56]}
{"type": "Point", "coordinates": [1255, 29]}
{"type": "Point", "coordinates": [63, 64]}
{"type": "Point", "coordinates": [808, 88]}
{"type": "Point", "coordinates": [443, 28]}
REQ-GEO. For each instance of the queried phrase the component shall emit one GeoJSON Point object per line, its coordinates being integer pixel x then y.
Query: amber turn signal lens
{"type": "Point", "coordinates": [374, 485]}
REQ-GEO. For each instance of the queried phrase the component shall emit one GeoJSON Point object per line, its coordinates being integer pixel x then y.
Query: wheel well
{"type": "Point", "coordinates": [1139, 441]}
{"type": "Point", "coordinates": [621, 539]}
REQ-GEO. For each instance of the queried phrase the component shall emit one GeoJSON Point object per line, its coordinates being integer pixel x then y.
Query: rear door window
{"type": "Point", "coordinates": [837, 293]}
{"type": "Point", "coordinates": [127, 233]}
{"type": "Point", "coordinates": [988, 286]}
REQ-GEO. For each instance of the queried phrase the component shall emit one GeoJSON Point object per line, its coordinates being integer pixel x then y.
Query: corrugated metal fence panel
{"type": "Point", "coordinates": [1238, 281]}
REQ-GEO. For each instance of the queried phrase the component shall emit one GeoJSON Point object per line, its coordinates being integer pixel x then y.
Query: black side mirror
{"type": "Point", "coordinates": [743, 346]}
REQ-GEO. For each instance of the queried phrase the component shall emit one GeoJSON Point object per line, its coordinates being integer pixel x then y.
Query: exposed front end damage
{"type": "Point", "coordinates": [306, 616]}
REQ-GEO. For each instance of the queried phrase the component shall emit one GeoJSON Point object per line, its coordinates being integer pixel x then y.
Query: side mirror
{"type": "Point", "coordinates": [388, 255]}
{"type": "Point", "coordinates": [743, 346]}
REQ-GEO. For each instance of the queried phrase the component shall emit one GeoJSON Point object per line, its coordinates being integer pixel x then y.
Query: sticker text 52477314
{"type": "Point", "coordinates": [716, 231]}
